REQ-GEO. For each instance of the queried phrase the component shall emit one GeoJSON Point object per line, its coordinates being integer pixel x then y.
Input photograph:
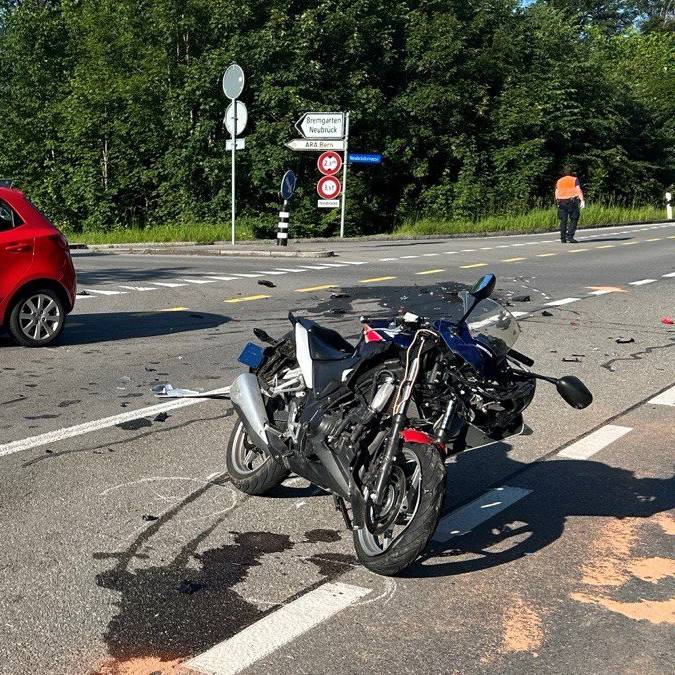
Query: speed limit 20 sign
{"type": "Point", "coordinates": [329, 187]}
{"type": "Point", "coordinates": [329, 163]}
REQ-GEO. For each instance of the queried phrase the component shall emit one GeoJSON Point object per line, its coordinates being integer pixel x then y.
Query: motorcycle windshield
{"type": "Point", "coordinates": [492, 325]}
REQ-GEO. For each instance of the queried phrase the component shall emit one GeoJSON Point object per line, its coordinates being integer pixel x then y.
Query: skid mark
{"type": "Point", "coordinates": [523, 629]}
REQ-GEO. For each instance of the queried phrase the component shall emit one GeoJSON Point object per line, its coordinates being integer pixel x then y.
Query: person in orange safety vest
{"type": "Point", "coordinates": [570, 199]}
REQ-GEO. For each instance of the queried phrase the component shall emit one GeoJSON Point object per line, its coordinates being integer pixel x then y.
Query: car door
{"type": "Point", "coordinates": [16, 250]}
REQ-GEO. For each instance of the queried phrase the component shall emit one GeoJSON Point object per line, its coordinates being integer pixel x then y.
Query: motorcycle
{"type": "Point", "coordinates": [373, 423]}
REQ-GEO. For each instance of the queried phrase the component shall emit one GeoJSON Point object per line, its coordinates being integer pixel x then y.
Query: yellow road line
{"type": "Point", "coordinates": [513, 259]}
{"type": "Point", "coordinates": [672, 236]}
{"type": "Point", "coordinates": [368, 281]}
{"type": "Point", "coordinates": [468, 267]}
{"type": "Point", "coordinates": [174, 309]}
{"type": "Point", "coordinates": [606, 246]}
{"type": "Point", "coordinates": [577, 250]}
{"type": "Point", "coordinates": [545, 255]}
{"type": "Point", "coordinates": [314, 288]}
{"type": "Point", "coordinates": [246, 298]}
{"type": "Point", "coordinates": [429, 272]}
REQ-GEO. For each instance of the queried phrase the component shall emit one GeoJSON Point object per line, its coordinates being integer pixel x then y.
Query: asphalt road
{"type": "Point", "coordinates": [555, 553]}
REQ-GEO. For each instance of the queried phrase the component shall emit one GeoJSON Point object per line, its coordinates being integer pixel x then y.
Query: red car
{"type": "Point", "coordinates": [37, 277]}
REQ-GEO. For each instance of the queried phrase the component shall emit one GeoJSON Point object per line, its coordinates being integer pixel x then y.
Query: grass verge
{"type": "Point", "coordinates": [535, 220]}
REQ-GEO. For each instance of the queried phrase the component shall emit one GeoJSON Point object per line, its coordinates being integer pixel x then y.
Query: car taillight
{"type": "Point", "coordinates": [59, 240]}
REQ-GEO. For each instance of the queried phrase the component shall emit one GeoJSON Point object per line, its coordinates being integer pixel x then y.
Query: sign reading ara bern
{"type": "Point", "coordinates": [322, 125]}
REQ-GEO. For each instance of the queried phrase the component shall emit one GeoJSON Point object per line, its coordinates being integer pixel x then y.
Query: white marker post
{"type": "Point", "coordinates": [669, 206]}
{"type": "Point", "coordinates": [344, 178]}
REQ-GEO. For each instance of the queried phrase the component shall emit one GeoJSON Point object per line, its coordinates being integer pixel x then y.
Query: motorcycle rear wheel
{"type": "Point", "coordinates": [251, 470]}
{"type": "Point", "coordinates": [391, 555]}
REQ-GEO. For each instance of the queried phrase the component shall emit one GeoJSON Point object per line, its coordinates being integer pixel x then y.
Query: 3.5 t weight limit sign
{"type": "Point", "coordinates": [329, 163]}
{"type": "Point", "coordinates": [329, 187]}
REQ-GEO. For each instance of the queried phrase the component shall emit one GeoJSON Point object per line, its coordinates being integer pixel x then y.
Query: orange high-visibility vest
{"type": "Point", "coordinates": [568, 187]}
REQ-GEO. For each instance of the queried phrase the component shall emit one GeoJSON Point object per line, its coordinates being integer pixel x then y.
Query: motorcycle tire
{"type": "Point", "coordinates": [406, 547]}
{"type": "Point", "coordinates": [254, 480]}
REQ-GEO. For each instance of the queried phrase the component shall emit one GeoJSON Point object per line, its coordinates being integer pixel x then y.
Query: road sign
{"type": "Point", "coordinates": [365, 158]}
{"type": "Point", "coordinates": [233, 81]}
{"type": "Point", "coordinates": [242, 117]}
{"type": "Point", "coordinates": [329, 187]}
{"type": "Point", "coordinates": [288, 185]}
{"type": "Point", "coordinates": [322, 125]}
{"type": "Point", "coordinates": [328, 203]}
{"type": "Point", "coordinates": [329, 163]}
{"type": "Point", "coordinates": [306, 145]}
{"type": "Point", "coordinates": [241, 144]}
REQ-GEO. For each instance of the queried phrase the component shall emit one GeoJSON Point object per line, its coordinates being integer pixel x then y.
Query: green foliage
{"type": "Point", "coordinates": [113, 108]}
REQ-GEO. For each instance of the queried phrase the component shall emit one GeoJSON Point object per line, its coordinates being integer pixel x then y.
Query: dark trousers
{"type": "Point", "coordinates": [568, 210]}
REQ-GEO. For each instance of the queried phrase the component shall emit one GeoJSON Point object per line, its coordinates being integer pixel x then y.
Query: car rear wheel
{"type": "Point", "coordinates": [37, 318]}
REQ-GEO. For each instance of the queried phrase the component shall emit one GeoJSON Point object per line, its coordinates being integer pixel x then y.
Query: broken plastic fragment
{"type": "Point", "coordinates": [546, 313]}
{"type": "Point", "coordinates": [521, 298]}
{"type": "Point", "coordinates": [340, 294]}
{"type": "Point", "coordinates": [667, 321]}
{"type": "Point", "coordinates": [161, 417]}
{"type": "Point", "coordinates": [624, 340]}
{"type": "Point", "coordinates": [266, 282]}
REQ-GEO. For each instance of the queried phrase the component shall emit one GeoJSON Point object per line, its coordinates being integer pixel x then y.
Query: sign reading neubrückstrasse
{"type": "Point", "coordinates": [323, 125]}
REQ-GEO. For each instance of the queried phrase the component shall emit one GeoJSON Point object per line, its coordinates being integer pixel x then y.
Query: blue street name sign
{"type": "Point", "coordinates": [365, 158]}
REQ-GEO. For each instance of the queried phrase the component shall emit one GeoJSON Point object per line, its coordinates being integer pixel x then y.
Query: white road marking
{"type": "Point", "coordinates": [468, 250]}
{"type": "Point", "coordinates": [430, 255]}
{"type": "Point", "coordinates": [666, 398]}
{"type": "Point", "coordinates": [168, 284]}
{"type": "Point", "coordinates": [221, 278]}
{"type": "Point", "coordinates": [139, 288]}
{"type": "Point", "coordinates": [468, 517]}
{"type": "Point", "coordinates": [89, 290]}
{"type": "Point", "coordinates": [564, 301]}
{"type": "Point", "coordinates": [104, 423]}
{"type": "Point", "coordinates": [408, 257]}
{"type": "Point", "coordinates": [594, 442]}
{"type": "Point", "coordinates": [314, 267]}
{"type": "Point", "coordinates": [79, 296]}
{"type": "Point", "coordinates": [247, 275]}
{"type": "Point", "coordinates": [270, 272]}
{"type": "Point", "coordinates": [343, 264]}
{"type": "Point", "coordinates": [286, 269]}
{"type": "Point", "coordinates": [351, 262]}
{"type": "Point", "coordinates": [276, 629]}
{"type": "Point", "coordinates": [600, 292]}
{"type": "Point", "coordinates": [199, 281]}
{"type": "Point", "coordinates": [669, 275]}
{"type": "Point", "coordinates": [641, 282]}
{"type": "Point", "coordinates": [387, 259]}
{"type": "Point", "coordinates": [487, 248]}
{"type": "Point", "coordinates": [517, 314]}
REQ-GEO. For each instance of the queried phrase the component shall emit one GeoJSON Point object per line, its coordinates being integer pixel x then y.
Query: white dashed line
{"type": "Point", "coordinates": [202, 281]}
{"type": "Point", "coordinates": [641, 282]}
{"type": "Point", "coordinates": [286, 269]}
{"type": "Point", "coordinates": [276, 629]}
{"type": "Point", "coordinates": [430, 255]}
{"type": "Point", "coordinates": [469, 517]}
{"type": "Point", "coordinates": [139, 288]}
{"type": "Point", "coordinates": [338, 264]}
{"type": "Point", "coordinates": [168, 284]}
{"type": "Point", "coordinates": [409, 257]}
{"type": "Point", "coordinates": [669, 275]}
{"type": "Point", "coordinates": [104, 423]}
{"type": "Point", "coordinates": [387, 259]}
{"type": "Point", "coordinates": [564, 301]}
{"type": "Point", "coordinates": [247, 275]}
{"type": "Point", "coordinates": [351, 262]}
{"type": "Point", "coordinates": [314, 267]}
{"type": "Point", "coordinates": [266, 272]}
{"type": "Point", "coordinates": [594, 442]}
{"type": "Point", "coordinates": [221, 278]}
{"type": "Point", "coordinates": [666, 398]}
{"type": "Point", "coordinates": [104, 292]}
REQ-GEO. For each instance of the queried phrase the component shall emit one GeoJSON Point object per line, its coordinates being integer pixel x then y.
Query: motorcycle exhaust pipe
{"type": "Point", "coordinates": [248, 402]}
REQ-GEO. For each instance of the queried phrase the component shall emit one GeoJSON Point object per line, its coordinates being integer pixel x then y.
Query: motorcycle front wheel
{"type": "Point", "coordinates": [392, 537]}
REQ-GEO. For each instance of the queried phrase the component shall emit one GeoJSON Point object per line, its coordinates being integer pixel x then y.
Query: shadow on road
{"type": "Point", "coordinates": [559, 489]}
{"type": "Point", "coordinates": [83, 329]}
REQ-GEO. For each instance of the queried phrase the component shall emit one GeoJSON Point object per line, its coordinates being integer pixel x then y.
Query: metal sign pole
{"type": "Point", "coordinates": [234, 146]}
{"type": "Point", "coordinates": [344, 178]}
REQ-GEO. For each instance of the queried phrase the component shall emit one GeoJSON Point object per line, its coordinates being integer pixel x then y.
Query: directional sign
{"type": "Point", "coordinates": [287, 185]}
{"type": "Point", "coordinates": [241, 144]}
{"type": "Point", "coordinates": [242, 118]}
{"type": "Point", "coordinates": [328, 203]}
{"type": "Point", "coordinates": [323, 125]}
{"type": "Point", "coordinates": [365, 158]}
{"type": "Point", "coordinates": [329, 163]}
{"type": "Point", "coordinates": [329, 187]}
{"type": "Point", "coordinates": [306, 145]}
{"type": "Point", "coordinates": [233, 81]}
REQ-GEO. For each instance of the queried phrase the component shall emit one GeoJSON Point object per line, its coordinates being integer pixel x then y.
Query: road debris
{"type": "Point", "coordinates": [571, 359]}
{"type": "Point", "coordinates": [521, 298]}
{"type": "Point", "coordinates": [340, 294]}
{"type": "Point", "coordinates": [624, 340]}
{"type": "Point", "coordinates": [667, 321]}
{"type": "Point", "coordinates": [546, 313]}
{"type": "Point", "coordinates": [190, 587]}
{"type": "Point", "coordinates": [161, 417]}
{"type": "Point", "coordinates": [266, 282]}
{"type": "Point", "coordinates": [148, 518]}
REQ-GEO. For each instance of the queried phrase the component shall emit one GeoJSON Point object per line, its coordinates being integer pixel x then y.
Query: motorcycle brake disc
{"type": "Point", "coordinates": [389, 511]}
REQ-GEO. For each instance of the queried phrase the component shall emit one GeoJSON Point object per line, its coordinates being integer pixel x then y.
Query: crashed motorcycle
{"type": "Point", "coordinates": [373, 423]}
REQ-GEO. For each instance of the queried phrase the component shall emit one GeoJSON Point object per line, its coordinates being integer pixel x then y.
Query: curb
{"type": "Point", "coordinates": [237, 253]}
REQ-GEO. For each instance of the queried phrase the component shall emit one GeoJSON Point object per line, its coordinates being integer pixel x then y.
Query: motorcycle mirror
{"type": "Point", "coordinates": [574, 392]}
{"type": "Point", "coordinates": [483, 288]}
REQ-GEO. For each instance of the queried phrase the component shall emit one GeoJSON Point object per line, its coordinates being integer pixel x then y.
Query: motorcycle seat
{"type": "Point", "coordinates": [326, 344]}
